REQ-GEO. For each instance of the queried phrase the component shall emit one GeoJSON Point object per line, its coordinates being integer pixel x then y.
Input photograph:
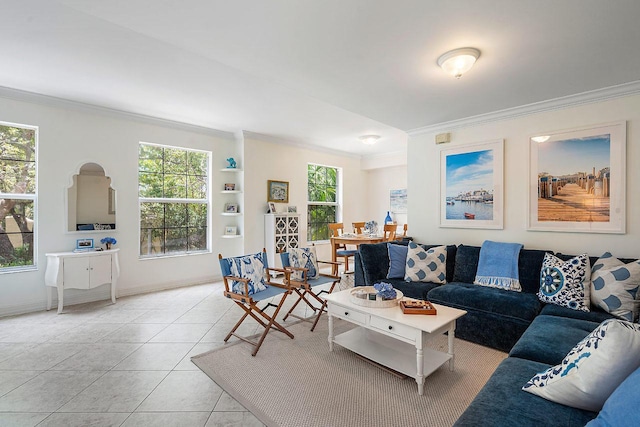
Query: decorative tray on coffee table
{"type": "Point", "coordinates": [417, 307]}
{"type": "Point", "coordinates": [367, 296]}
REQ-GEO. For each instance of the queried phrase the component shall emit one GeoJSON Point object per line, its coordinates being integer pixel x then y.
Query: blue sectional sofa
{"type": "Point", "coordinates": [536, 335]}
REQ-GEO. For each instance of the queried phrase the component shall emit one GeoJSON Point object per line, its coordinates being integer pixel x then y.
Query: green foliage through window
{"type": "Point", "coordinates": [174, 201]}
{"type": "Point", "coordinates": [17, 196]}
{"type": "Point", "coordinates": [322, 205]}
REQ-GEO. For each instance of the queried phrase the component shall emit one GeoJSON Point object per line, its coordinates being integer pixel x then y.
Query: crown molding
{"type": "Point", "coordinates": [307, 146]}
{"type": "Point", "coordinates": [52, 101]}
{"type": "Point", "coordinates": [597, 95]}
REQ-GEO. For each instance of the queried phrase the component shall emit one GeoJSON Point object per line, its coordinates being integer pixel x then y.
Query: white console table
{"type": "Point", "coordinates": [80, 270]}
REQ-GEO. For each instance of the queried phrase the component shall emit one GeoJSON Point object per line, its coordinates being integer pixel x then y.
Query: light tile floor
{"type": "Point", "coordinates": [123, 364]}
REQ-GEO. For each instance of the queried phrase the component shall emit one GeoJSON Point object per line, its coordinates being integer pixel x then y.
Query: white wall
{"type": "Point", "coordinates": [71, 136]}
{"type": "Point", "coordinates": [424, 180]}
{"type": "Point", "coordinates": [266, 159]}
{"type": "Point", "coordinates": [380, 182]}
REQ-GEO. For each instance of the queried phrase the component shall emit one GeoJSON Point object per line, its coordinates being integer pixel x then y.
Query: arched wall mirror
{"type": "Point", "coordinates": [91, 202]}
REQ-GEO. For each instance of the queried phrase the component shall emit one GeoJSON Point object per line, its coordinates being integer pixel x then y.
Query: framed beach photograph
{"type": "Point", "coordinates": [577, 180]}
{"type": "Point", "coordinates": [277, 191]}
{"type": "Point", "coordinates": [471, 186]}
{"type": "Point", "coordinates": [231, 208]}
{"type": "Point", "coordinates": [230, 230]}
{"type": "Point", "coordinates": [398, 200]}
{"type": "Point", "coordinates": [84, 244]}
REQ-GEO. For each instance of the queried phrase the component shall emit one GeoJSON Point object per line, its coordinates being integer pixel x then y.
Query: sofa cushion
{"type": "Point", "coordinates": [529, 265]}
{"type": "Point", "coordinates": [566, 283]}
{"type": "Point", "coordinates": [549, 338]}
{"type": "Point", "coordinates": [595, 315]}
{"type": "Point", "coordinates": [374, 260]}
{"type": "Point", "coordinates": [614, 286]}
{"type": "Point", "coordinates": [426, 265]}
{"type": "Point", "coordinates": [466, 265]}
{"type": "Point", "coordinates": [593, 369]}
{"type": "Point", "coordinates": [397, 260]}
{"type": "Point", "coordinates": [621, 408]}
{"type": "Point", "coordinates": [501, 402]}
{"type": "Point", "coordinates": [489, 300]}
{"type": "Point", "coordinates": [417, 290]}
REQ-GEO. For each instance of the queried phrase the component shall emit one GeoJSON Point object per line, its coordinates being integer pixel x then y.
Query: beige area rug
{"type": "Point", "coordinates": [299, 383]}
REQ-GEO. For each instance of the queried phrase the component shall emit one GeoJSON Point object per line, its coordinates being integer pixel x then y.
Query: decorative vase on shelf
{"type": "Point", "coordinates": [388, 219]}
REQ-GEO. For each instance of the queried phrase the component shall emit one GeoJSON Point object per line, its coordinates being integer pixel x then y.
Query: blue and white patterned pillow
{"type": "Point", "coordinates": [565, 283]}
{"type": "Point", "coordinates": [426, 265]}
{"type": "Point", "coordinates": [248, 267]}
{"type": "Point", "coordinates": [304, 258]}
{"type": "Point", "coordinates": [593, 369]}
{"type": "Point", "coordinates": [614, 286]}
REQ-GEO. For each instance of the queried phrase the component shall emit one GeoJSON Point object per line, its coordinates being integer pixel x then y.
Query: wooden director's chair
{"type": "Point", "coordinates": [303, 287]}
{"type": "Point", "coordinates": [247, 282]}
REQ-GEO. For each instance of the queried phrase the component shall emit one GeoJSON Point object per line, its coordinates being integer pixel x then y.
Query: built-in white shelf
{"type": "Point", "coordinates": [230, 170]}
{"type": "Point", "coordinates": [231, 191]}
{"type": "Point", "coordinates": [231, 236]}
{"type": "Point", "coordinates": [230, 213]}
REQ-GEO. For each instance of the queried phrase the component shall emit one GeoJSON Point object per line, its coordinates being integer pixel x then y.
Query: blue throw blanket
{"type": "Point", "coordinates": [498, 266]}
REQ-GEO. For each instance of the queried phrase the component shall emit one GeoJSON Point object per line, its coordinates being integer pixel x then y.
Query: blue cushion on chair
{"type": "Point", "coordinates": [249, 267]}
{"type": "Point", "coordinates": [349, 252]}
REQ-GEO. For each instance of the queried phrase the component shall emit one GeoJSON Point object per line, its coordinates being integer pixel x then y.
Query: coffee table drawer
{"type": "Point", "coordinates": [390, 327]}
{"type": "Point", "coordinates": [348, 314]}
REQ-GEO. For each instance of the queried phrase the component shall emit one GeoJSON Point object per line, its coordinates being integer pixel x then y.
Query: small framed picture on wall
{"type": "Point", "coordinates": [278, 191]}
{"type": "Point", "coordinates": [271, 207]}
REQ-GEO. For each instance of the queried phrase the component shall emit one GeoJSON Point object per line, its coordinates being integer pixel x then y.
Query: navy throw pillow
{"type": "Point", "coordinates": [397, 261]}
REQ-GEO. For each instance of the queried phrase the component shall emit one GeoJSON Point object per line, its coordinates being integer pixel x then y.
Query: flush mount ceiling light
{"type": "Point", "coordinates": [540, 138]}
{"type": "Point", "coordinates": [369, 139]}
{"type": "Point", "coordinates": [458, 61]}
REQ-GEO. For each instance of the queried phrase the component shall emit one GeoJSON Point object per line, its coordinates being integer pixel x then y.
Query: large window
{"type": "Point", "coordinates": [18, 196]}
{"type": "Point", "coordinates": [323, 200]}
{"type": "Point", "coordinates": [174, 200]}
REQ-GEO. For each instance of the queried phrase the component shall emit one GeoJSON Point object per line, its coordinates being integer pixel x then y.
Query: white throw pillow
{"type": "Point", "coordinates": [304, 258]}
{"type": "Point", "coordinates": [426, 265]}
{"type": "Point", "coordinates": [565, 283]}
{"type": "Point", "coordinates": [248, 267]}
{"type": "Point", "coordinates": [593, 369]}
{"type": "Point", "coordinates": [614, 286]}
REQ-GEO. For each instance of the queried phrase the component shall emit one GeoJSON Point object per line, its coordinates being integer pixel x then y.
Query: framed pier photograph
{"type": "Point", "coordinates": [577, 180]}
{"type": "Point", "coordinates": [471, 186]}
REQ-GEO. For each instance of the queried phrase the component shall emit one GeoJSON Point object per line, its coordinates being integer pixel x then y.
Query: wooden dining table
{"type": "Point", "coordinates": [356, 240]}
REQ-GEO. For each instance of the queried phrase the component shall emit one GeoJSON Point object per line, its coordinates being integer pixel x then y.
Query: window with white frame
{"type": "Point", "coordinates": [18, 196]}
{"type": "Point", "coordinates": [173, 191]}
{"type": "Point", "coordinates": [323, 200]}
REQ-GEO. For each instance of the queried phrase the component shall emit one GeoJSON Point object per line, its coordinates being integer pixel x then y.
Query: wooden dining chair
{"type": "Point", "coordinates": [336, 230]}
{"type": "Point", "coordinates": [404, 233]}
{"type": "Point", "coordinates": [389, 232]}
{"type": "Point", "coordinates": [358, 227]}
{"type": "Point", "coordinates": [247, 282]}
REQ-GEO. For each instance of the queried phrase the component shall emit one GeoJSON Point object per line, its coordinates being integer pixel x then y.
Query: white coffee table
{"type": "Point", "coordinates": [393, 339]}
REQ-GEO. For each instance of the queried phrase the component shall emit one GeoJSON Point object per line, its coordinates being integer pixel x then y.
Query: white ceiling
{"type": "Point", "coordinates": [316, 72]}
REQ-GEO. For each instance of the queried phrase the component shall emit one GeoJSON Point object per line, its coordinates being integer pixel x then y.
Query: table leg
{"type": "Point", "coordinates": [330, 332]}
{"type": "Point", "coordinates": [451, 336]}
{"type": "Point", "coordinates": [60, 298]}
{"type": "Point", "coordinates": [334, 258]}
{"type": "Point", "coordinates": [420, 371]}
{"type": "Point", "coordinates": [113, 291]}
